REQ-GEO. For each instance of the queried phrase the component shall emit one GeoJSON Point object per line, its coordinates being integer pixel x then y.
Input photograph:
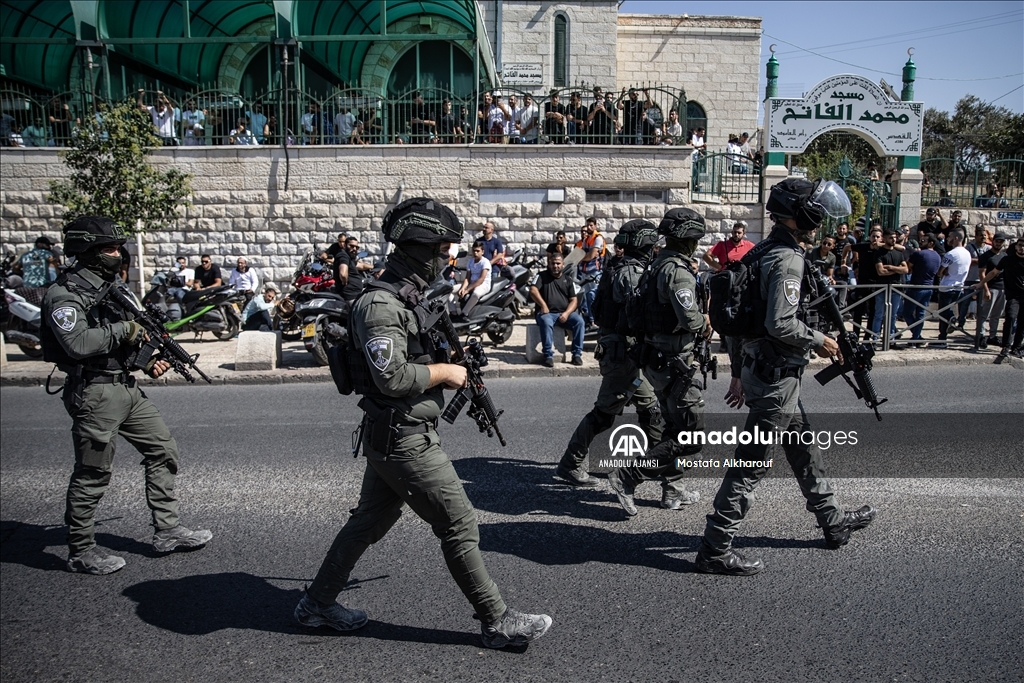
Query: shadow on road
{"type": "Point", "coordinates": [204, 604]}
{"type": "Point", "coordinates": [27, 544]}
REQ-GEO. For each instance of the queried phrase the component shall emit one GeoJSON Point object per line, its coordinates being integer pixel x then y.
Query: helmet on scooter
{"type": "Point", "coordinates": [86, 232]}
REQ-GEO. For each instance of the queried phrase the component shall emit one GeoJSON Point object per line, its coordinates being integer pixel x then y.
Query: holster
{"type": "Point", "coordinates": [382, 432]}
{"type": "Point", "coordinates": [73, 395]}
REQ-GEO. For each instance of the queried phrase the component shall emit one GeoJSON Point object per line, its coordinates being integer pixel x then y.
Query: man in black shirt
{"type": "Point", "coordinates": [339, 246]}
{"type": "Point", "coordinates": [447, 124]}
{"type": "Point", "coordinates": [207, 274]}
{"type": "Point", "coordinates": [349, 273]}
{"type": "Point", "coordinates": [554, 119]}
{"type": "Point", "coordinates": [993, 299]}
{"type": "Point", "coordinates": [577, 116]}
{"type": "Point", "coordinates": [890, 267]}
{"type": "Point", "coordinates": [864, 259]}
{"type": "Point", "coordinates": [1012, 268]}
{"type": "Point", "coordinates": [556, 298]}
{"type": "Point", "coordinates": [600, 121]}
{"type": "Point", "coordinates": [421, 121]}
{"type": "Point", "coordinates": [632, 114]}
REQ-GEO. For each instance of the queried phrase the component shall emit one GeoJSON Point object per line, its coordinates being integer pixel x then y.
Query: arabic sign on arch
{"type": "Point", "coordinates": [845, 103]}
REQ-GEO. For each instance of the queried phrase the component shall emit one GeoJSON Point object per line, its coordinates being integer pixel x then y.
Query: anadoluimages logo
{"type": "Point", "coordinates": [627, 441]}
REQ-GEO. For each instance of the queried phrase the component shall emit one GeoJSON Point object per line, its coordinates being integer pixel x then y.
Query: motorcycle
{"type": "Point", "coordinates": [494, 315]}
{"type": "Point", "coordinates": [19, 318]}
{"type": "Point", "coordinates": [311, 279]}
{"type": "Point", "coordinates": [324, 324]}
{"type": "Point", "coordinates": [215, 310]}
{"type": "Point", "coordinates": [523, 272]}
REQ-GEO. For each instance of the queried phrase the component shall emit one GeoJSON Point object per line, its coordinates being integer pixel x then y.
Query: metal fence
{"type": "Point", "coordinates": [726, 176]}
{"type": "Point", "coordinates": [993, 185]}
{"type": "Point", "coordinates": [582, 114]}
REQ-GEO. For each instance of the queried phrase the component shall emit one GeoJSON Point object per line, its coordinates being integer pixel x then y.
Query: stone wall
{"type": "Point", "coordinates": [527, 36]}
{"type": "Point", "coordinates": [716, 59]}
{"type": "Point", "coordinates": [240, 206]}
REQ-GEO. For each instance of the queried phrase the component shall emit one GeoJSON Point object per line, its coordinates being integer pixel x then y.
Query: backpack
{"type": "Point", "coordinates": [736, 308]}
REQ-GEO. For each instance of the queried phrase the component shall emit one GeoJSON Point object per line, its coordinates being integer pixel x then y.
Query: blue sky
{"type": "Point", "coordinates": [967, 44]}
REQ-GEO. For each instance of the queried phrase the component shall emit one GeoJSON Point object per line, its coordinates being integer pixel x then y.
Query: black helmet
{"type": "Point", "coordinates": [637, 235]}
{"type": "Point", "coordinates": [682, 224]}
{"type": "Point", "coordinates": [86, 232]}
{"type": "Point", "coordinates": [422, 221]}
{"type": "Point", "coordinates": [807, 203]}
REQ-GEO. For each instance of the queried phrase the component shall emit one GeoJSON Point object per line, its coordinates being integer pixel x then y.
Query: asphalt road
{"type": "Point", "coordinates": [932, 591]}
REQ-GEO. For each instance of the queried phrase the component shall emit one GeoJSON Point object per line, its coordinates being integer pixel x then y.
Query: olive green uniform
{"type": "Point", "coordinates": [101, 397]}
{"type": "Point", "coordinates": [669, 367]}
{"type": "Point", "coordinates": [772, 367]}
{"type": "Point", "coordinates": [622, 382]}
{"type": "Point", "coordinates": [417, 472]}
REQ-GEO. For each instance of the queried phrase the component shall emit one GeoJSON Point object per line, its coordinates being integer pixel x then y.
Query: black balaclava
{"type": "Point", "coordinates": [104, 265]}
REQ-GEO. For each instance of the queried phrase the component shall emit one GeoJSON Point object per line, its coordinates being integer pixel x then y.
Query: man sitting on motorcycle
{"type": "Point", "coordinates": [477, 283]}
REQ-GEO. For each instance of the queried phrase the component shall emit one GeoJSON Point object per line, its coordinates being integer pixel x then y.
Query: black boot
{"type": "Point", "coordinates": [839, 535]}
{"type": "Point", "coordinates": [731, 562]}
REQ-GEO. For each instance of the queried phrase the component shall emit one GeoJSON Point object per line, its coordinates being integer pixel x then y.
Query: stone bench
{"type": "Point", "coordinates": [258, 351]}
{"type": "Point", "coordinates": [560, 343]}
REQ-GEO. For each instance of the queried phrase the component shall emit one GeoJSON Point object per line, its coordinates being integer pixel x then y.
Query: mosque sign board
{"type": "Point", "coordinates": [523, 74]}
{"type": "Point", "coordinates": [844, 103]}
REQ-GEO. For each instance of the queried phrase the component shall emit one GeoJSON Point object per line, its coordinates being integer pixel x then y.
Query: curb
{"type": "Point", "coordinates": [498, 370]}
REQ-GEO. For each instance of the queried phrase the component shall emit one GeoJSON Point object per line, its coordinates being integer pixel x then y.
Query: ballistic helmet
{"type": "Point", "coordinates": [421, 221]}
{"type": "Point", "coordinates": [682, 224]}
{"type": "Point", "coordinates": [637, 235]}
{"type": "Point", "coordinates": [86, 232]}
{"type": "Point", "coordinates": [807, 203]}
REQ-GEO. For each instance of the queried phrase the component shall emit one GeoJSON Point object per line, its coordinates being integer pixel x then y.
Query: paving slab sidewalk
{"type": "Point", "coordinates": [217, 359]}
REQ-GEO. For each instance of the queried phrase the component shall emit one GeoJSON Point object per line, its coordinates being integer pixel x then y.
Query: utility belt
{"type": "Point", "coordinates": [102, 378]}
{"type": "Point", "coordinates": [684, 374]}
{"type": "Point", "coordinates": [772, 373]}
{"type": "Point", "coordinates": [78, 378]}
{"type": "Point", "coordinates": [385, 427]}
{"type": "Point", "coordinates": [616, 349]}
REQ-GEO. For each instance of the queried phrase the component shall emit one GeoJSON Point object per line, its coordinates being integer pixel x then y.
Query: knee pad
{"type": "Point", "coordinates": [651, 416]}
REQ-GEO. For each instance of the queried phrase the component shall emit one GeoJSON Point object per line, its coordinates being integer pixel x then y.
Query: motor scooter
{"type": "Point", "coordinates": [216, 309]}
{"type": "Point", "coordinates": [19, 317]}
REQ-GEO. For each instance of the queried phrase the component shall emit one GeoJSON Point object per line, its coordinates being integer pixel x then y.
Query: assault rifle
{"type": "Point", "coordinates": [706, 360]}
{"type": "Point", "coordinates": [856, 357]}
{"type": "Point", "coordinates": [160, 341]}
{"type": "Point", "coordinates": [472, 358]}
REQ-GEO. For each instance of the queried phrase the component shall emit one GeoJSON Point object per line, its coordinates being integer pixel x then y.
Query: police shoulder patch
{"type": "Point", "coordinates": [791, 288]}
{"type": "Point", "coordinates": [65, 317]}
{"type": "Point", "coordinates": [379, 351]}
{"type": "Point", "coordinates": [685, 298]}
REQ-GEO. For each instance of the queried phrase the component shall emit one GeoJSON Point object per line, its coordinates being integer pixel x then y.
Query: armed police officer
{"type": "Point", "coordinates": [401, 372]}
{"type": "Point", "coordinates": [622, 382]}
{"type": "Point", "coordinates": [92, 340]}
{"type": "Point", "coordinates": [672, 320]}
{"type": "Point", "coordinates": [766, 373]}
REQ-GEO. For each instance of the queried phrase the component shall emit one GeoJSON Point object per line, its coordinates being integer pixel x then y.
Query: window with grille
{"type": "Point", "coordinates": [561, 51]}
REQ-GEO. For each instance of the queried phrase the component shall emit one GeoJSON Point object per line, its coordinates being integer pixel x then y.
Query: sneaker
{"type": "Point", "coordinates": [577, 477]}
{"type": "Point", "coordinates": [549, 362]}
{"type": "Point", "coordinates": [312, 613]}
{"type": "Point", "coordinates": [731, 563]}
{"type": "Point", "coordinates": [577, 360]}
{"type": "Point", "coordinates": [1017, 353]}
{"type": "Point", "coordinates": [671, 500]}
{"type": "Point", "coordinates": [514, 628]}
{"type": "Point", "coordinates": [993, 341]}
{"type": "Point", "coordinates": [1001, 356]}
{"type": "Point", "coordinates": [180, 538]}
{"type": "Point", "coordinates": [838, 536]}
{"type": "Point", "coordinates": [983, 343]}
{"type": "Point", "coordinates": [94, 561]}
{"type": "Point", "coordinates": [623, 487]}
{"type": "Point", "coordinates": [938, 345]}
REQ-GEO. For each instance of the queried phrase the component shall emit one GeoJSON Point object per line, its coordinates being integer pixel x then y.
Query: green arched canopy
{"type": "Point", "coordinates": [47, 63]}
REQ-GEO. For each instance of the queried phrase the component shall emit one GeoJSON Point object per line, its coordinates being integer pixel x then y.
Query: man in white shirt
{"type": "Point", "coordinates": [956, 263]}
{"type": "Point", "coordinates": [163, 117]}
{"type": "Point", "coordinates": [511, 129]}
{"type": "Point", "coordinates": [244, 278]}
{"type": "Point", "coordinates": [185, 276]}
{"type": "Point", "coordinates": [192, 124]}
{"type": "Point", "coordinates": [241, 135]}
{"type": "Point", "coordinates": [258, 122]}
{"type": "Point", "coordinates": [528, 117]}
{"type": "Point", "coordinates": [344, 121]}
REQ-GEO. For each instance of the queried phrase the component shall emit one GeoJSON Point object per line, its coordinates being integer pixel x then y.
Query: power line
{"type": "Point", "coordinates": [890, 73]}
{"type": "Point", "coordinates": [916, 32]}
{"type": "Point", "coordinates": [1009, 93]}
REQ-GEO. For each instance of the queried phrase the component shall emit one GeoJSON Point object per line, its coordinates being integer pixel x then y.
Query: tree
{"type": "Point", "coordinates": [110, 174]}
{"type": "Point", "coordinates": [976, 133]}
{"type": "Point", "coordinates": [823, 155]}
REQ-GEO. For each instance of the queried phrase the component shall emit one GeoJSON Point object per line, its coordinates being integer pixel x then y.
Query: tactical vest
{"type": "Point", "coordinates": [604, 310]}
{"type": "Point", "coordinates": [422, 348]}
{"type": "Point", "coordinates": [659, 316]}
{"type": "Point", "coordinates": [104, 313]}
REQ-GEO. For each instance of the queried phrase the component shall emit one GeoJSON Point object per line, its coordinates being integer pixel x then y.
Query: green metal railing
{"type": "Point", "coordinates": [357, 115]}
{"type": "Point", "coordinates": [993, 185]}
{"type": "Point", "coordinates": [726, 176]}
